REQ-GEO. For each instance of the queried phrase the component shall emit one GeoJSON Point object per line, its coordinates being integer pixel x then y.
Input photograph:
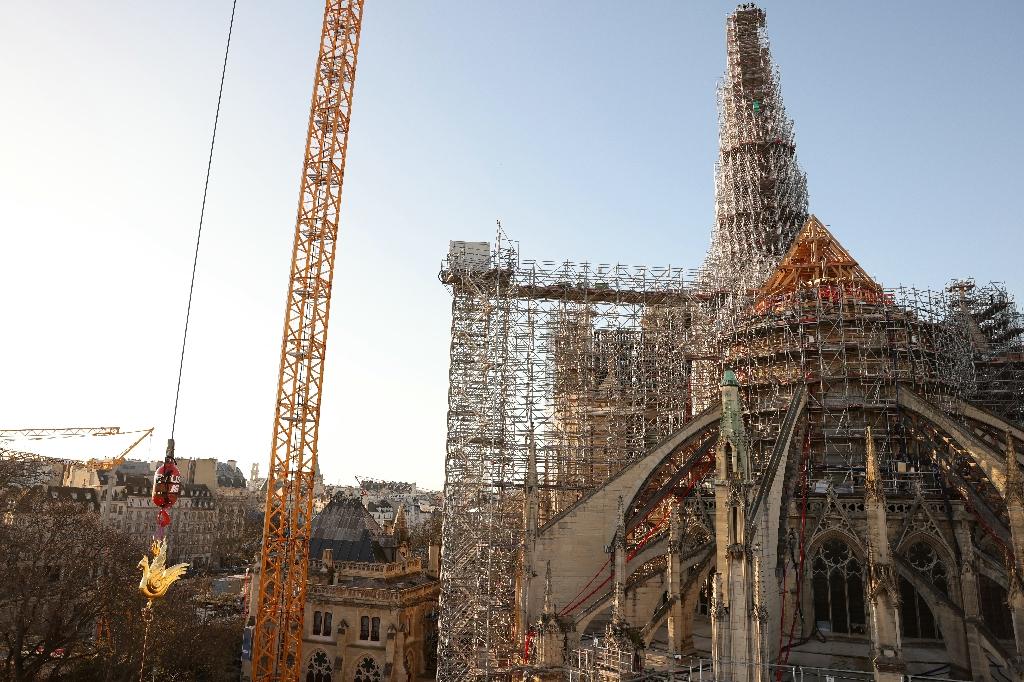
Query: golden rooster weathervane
{"type": "Point", "coordinates": [156, 578]}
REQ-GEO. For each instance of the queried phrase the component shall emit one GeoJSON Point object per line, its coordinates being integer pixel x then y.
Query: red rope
{"type": "Point", "coordinates": [587, 596]}
{"type": "Point", "coordinates": [528, 644]}
{"type": "Point", "coordinates": [640, 545]}
{"type": "Point", "coordinates": [576, 601]}
{"type": "Point", "coordinates": [694, 477]}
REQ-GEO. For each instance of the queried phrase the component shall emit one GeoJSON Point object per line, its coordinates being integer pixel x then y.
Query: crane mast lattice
{"type": "Point", "coordinates": [99, 464]}
{"type": "Point", "coordinates": [277, 642]}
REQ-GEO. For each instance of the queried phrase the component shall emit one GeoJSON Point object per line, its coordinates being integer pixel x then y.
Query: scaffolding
{"type": "Point", "coordinates": [575, 370]}
{"type": "Point", "coordinates": [996, 331]}
{"type": "Point", "coordinates": [760, 190]}
{"type": "Point", "coordinates": [853, 352]}
{"type": "Point", "coordinates": [589, 364]}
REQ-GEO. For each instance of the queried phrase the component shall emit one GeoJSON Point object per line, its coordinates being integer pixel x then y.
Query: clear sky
{"type": "Point", "coordinates": [587, 127]}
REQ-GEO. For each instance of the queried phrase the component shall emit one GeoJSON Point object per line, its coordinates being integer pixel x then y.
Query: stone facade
{"type": "Point", "coordinates": [369, 620]}
{"type": "Point", "coordinates": [125, 504]}
{"type": "Point", "coordinates": [374, 619]}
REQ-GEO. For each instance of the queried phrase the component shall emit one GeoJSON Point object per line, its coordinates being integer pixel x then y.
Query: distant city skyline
{"type": "Point", "coordinates": [589, 131]}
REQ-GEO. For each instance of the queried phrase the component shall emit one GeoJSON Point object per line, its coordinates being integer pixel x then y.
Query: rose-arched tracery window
{"type": "Point", "coordinates": [838, 583]}
{"type": "Point", "coordinates": [923, 557]}
{"type": "Point", "coordinates": [917, 619]}
{"type": "Point", "coordinates": [319, 668]}
{"type": "Point", "coordinates": [367, 671]}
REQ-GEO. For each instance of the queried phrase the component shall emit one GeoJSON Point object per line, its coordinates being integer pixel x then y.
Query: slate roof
{"type": "Point", "coordinates": [229, 476]}
{"type": "Point", "coordinates": [346, 527]}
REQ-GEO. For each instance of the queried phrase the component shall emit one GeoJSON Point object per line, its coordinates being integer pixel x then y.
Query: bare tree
{"type": "Point", "coordinates": [69, 601]}
{"type": "Point", "coordinates": [59, 570]}
{"type": "Point", "coordinates": [191, 637]}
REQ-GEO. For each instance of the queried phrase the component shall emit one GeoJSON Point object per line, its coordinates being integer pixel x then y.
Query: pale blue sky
{"type": "Point", "coordinates": [588, 128]}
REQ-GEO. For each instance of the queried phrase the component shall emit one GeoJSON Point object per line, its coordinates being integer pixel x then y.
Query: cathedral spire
{"type": "Point", "coordinates": [760, 191]}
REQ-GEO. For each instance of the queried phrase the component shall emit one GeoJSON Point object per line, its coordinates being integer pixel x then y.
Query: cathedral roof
{"type": "Point", "coordinates": [816, 259]}
{"type": "Point", "coordinates": [345, 527]}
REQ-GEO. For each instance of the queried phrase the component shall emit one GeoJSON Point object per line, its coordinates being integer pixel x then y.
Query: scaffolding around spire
{"type": "Point", "coordinates": [760, 190]}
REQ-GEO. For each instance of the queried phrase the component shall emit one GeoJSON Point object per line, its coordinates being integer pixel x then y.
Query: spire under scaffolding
{"type": "Point", "coordinates": [563, 374]}
{"type": "Point", "coordinates": [760, 191]}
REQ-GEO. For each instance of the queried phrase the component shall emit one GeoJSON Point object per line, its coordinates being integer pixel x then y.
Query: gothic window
{"type": "Point", "coordinates": [838, 583]}
{"type": "Point", "coordinates": [430, 642]}
{"type": "Point", "coordinates": [364, 627]}
{"type": "Point", "coordinates": [995, 610]}
{"type": "Point", "coordinates": [375, 630]}
{"type": "Point", "coordinates": [916, 619]}
{"type": "Point", "coordinates": [922, 556]}
{"type": "Point", "coordinates": [319, 668]}
{"type": "Point", "coordinates": [704, 597]}
{"type": "Point", "coordinates": [367, 671]}
{"type": "Point", "coordinates": [317, 620]}
{"type": "Point", "coordinates": [328, 621]}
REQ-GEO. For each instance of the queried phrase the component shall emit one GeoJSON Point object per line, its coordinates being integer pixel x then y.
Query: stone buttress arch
{"type": "Point", "coordinates": [576, 540]}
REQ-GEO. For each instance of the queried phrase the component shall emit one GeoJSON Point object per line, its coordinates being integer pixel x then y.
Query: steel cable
{"type": "Point", "coordinates": [202, 215]}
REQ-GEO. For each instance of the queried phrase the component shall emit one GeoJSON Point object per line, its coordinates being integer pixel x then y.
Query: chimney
{"type": "Point", "coordinates": [434, 560]}
{"type": "Point", "coordinates": [233, 463]}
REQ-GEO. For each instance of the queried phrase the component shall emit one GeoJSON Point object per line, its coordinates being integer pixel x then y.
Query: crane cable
{"type": "Point", "coordinates": [167, 475]}
{"type": "Point", "coordinates": [147, 612]}
{"type": "Point", "coordinates": [199, 230]}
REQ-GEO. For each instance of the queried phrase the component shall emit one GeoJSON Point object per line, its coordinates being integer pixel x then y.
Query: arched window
{"type": "Point", "coordinates": [703, 605]}
{"type": "Point", "coordinates": [364, 627]}
{"type": "Point", "coordinates": [367, 671]}
{"type": "Point", "coordinates": [922, 556]}
{"type": "Point", "coordinates": [430, 642]}
{"type": "Point", "coordinates": [375, 630]}
{"type": "Point", "coordinates": [319, 668]}
{"type": "Point", "coordinates": [328, 622]}
{"type": "Point", "coordinates": [916, 618]}
{"type": "Point", "coordinates": [995, 610]}
{"type": "Point", "coordinates": [317, 619]}
{"type": "Point", "coordinates": [838, 582]}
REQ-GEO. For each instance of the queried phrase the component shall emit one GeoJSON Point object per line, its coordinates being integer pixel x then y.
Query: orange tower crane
{"type": "Point", "coordinates": [277, 645]}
